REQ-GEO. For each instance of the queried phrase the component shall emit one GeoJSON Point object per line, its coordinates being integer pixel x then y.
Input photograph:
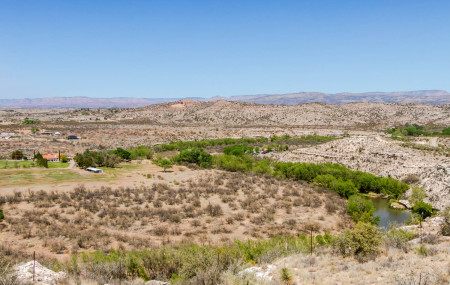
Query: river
{"type": "Point", "coordinates": [389, 215]}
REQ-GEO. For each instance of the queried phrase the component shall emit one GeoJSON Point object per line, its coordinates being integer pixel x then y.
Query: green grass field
{"type": "Point", "coordinates": [24, 164]}
{"type": "Point", "coordinates": [24, 174]}
{"type": "Point", "coordinates": [12, 178]}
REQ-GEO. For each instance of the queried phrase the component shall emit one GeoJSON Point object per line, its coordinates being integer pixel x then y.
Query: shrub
{"type": "Point", "coordinates": [422, 250]}
{"type": "Point", "coordinates": [423, 209]}
{"type": "Point", "coordinates": [417, 195]}
{"type": "Point", "coordinates": [237, 150]}
{"type": "Point", "coordinates": [233, 163]}
{"type": "Point", "coordinates": [163, 162]}
{"type": "Point", "coordinates": [63, 158]}
{"type": "Point", "coordinates": [411, 179]}
{"type": "Point", "coordinates": [27, 121]}
{"type": "Point", "coordinates": [445, 230]}
{"type": "Point", "coordinates": [214, 210]}
{"type": "Point", "coordinates": [17, 155]}
{"type": "Point", "coordinates": [361, 210]}
{"type": "Point", "coordinates": [398, 238]}
{"type": "Point", "coordinates": [120, 152]}
{"type": "Point", "coordinates": [141, 152]}
{"type": "Point", "coordinates": [286, 276]}
{"type": "Point", "coordinates": [1, 215]}
{"type": "Point", "coordinates": [196, 155]}
{"type": "Point", "coordinates": [363, 240]}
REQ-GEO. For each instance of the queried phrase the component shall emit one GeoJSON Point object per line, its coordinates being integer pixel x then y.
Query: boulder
{"type": "Point", "coordinates": [405, 203]}
{"type": "Point", "coordinates": [43, 275]}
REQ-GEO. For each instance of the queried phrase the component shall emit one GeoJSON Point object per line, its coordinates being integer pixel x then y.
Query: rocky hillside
{"type": "Point", "coordinates": [353, 115]}
{"type": "Point", "coordinates": [433, 97]}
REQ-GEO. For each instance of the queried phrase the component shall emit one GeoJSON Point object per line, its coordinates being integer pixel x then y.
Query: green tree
{"type": "Point", "coordinates": [17, 155]}
{"type": "Point", "coordinates": [163, 162]}
{"type": "Point", "coordinates": [195, 155]}
{"type": "Point", "coordinates": [423, 209]}
{"type": "Point", "coordinates": [40, 161]}
{"type": "Point", "coordinates": [122, 153]}
{"type": "Point", "coordinates": [63, 158]}
{"type": "Point", "coordinates": [362, 210]}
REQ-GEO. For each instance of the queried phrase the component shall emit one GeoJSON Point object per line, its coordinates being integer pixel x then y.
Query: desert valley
{"type": "Point", "coordinates": [227, 192]}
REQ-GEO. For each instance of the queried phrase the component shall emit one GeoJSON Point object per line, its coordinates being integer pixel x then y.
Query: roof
{"type": "Point", "coordinates": [93, 169]}
{"type": "Point", "coordinates": [50, 156]}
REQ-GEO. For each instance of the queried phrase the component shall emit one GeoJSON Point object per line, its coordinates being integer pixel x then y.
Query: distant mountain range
{"type": "Point", "coordinates": [433, 97]}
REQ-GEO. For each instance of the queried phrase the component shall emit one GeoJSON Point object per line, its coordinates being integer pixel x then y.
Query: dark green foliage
{"type": "Point", "coordinates": [362, 210]}
{"type": "Point", "coordinates": [96, 159]}
{"type": "Point", "coordinates": [338, 178]}
{"type": "Point", "coordinates": [1, 215]}
{"type": "Point", "coordinates": [195, 155]}
{"type": "Point", "coordinates": [182, 145]}
{"type": "Point", "coordinates": [414, 130]}
{"type": "Point", "coordinates": [40, 161]}
{"type": "Point", "coordinates": [342, 187]}
{"type": "Point", "coordinates": [423, 209]}
{"type": "Point", "coordinates": [27, 121]}
{"type": "Point", "coordinates": [125, 155]}
{"type": "Point", "coordinates": [17, 155]}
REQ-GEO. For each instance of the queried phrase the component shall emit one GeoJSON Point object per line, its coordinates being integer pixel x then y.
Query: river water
{"type": "Point", "coordinates": [389, 215]}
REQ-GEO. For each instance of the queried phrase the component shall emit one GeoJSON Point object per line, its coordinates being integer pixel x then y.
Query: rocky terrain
{"type": "Point", "coordinates": [385, 157]}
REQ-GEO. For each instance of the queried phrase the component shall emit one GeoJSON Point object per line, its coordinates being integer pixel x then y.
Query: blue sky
{"type": "Point", "coordinates": [209, 48]}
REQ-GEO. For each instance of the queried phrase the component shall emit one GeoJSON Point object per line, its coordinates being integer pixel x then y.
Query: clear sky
{"type": "Point", "coordinates": [208, 48]}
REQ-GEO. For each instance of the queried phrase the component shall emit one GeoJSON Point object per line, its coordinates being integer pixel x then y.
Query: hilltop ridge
{"type": "Point", "coordinates": [432, 97]}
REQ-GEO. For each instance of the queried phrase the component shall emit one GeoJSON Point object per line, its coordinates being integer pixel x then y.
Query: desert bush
{"type": "Point", "coordinates": [417, 195]}
{"type": "Point", "coordinates": [398, 238]}
{"type": "Point", "coordinates": [363, 240]}
{"type": "Point", "coordinates": [286, 276]}
{"type": "Point", "coordinates": [160, 231]}
{"type": "Point", "coordinates": [445, 229]}
{"type": "Point", "coordinates": [411, 179]}
{"type": "Point", "coordinates": [214, 210]}
{"type": "Point", "coordinates": [163, 163]}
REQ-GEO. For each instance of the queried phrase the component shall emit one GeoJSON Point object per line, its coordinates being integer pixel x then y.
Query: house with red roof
{"type": "Point", "coordinates": [54, 157]}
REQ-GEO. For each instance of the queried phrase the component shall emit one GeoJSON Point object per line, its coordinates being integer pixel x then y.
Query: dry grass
{"type": "Point", "coordinates": [212, 208]}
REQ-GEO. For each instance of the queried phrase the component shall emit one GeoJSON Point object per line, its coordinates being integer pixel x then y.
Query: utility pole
{"type": "Point", "coordinates": [34, 265]}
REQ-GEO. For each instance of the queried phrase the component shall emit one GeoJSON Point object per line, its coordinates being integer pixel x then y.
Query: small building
{"type": "Point", "coordinates": [57, 134]}
{"type": "Point", "coordinates": [52, 157]}
{"type": "Point", "coordinates": [95, 170]}
{"type": "Point", "coordinates": [46, 133]}
{"type": "Point", "coordinates": [72, 137]}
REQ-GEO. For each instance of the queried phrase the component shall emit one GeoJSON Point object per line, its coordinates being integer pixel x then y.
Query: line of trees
{"type": "Point", "coordinates": [415, 130]}
{"type": "Point", "coordinates": [97, 159]}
